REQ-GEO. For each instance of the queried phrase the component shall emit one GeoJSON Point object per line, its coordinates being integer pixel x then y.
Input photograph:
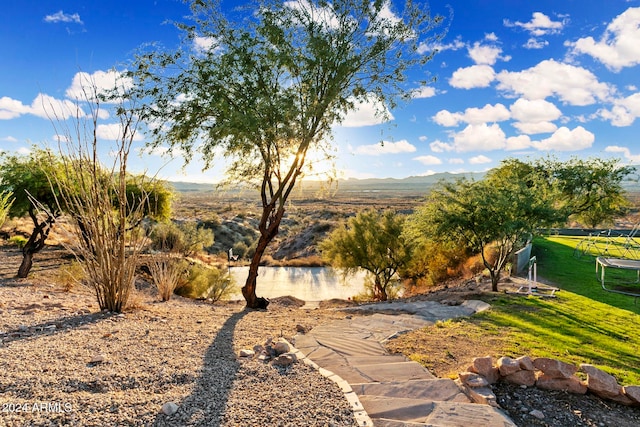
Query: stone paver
{"type": "Point", "coordinates": [389, 389]}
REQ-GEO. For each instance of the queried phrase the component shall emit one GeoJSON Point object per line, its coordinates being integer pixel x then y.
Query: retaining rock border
{"type": "Point", "coordinates": [545, 373]}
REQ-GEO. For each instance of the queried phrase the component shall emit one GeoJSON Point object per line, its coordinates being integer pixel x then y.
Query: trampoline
{"type": "Point", "coordinates": [602, 263]}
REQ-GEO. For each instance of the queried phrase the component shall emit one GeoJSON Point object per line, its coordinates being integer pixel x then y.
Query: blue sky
{"type": "Point", "coordinates": [514, 78]}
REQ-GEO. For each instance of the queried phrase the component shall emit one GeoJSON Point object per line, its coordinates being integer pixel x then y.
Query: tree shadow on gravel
{"type": "Point", "coordinates": [52, 327]}
{"type": "Point", "coordinates": [206, 404]}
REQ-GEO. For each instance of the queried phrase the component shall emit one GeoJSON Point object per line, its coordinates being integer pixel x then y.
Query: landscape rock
{"type": "Point", "coordinates": [633, 392]}
{"type": "Point", "coordinates": [287, 359]}
{"type": "Point", "coordinates": [537, 414]}
{"type": "Point", "coordinates": [169, 408]}
{"type": "Point", "coordinates": [98, 358]}
{"type": "Point", "coordinates": [247, 353]}
{"type": "Point", "coordinates": [484, 366]}
{"type": "Point", "coordinates": [473, 380]}
{"type": "Point", "coordinates": [571, 384]}
{"type": "Point", "coordinates": [554, 368]}
{"type": "Point", "coordinates": [301, 329]}
{"type": "Point", "coordinates": [508, 366]}
{"type": "Point", "coordinates": [523, 377]}
{"type": "Point", "coordinates": [281, 347]}
{"type": "Point", "coordinates": [601, 383]}
{"type": "Point", "coordinates": [526, 363]}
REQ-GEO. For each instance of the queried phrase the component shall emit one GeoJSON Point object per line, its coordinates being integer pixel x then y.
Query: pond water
{"type": "Point", "coordinates": [306, 283]}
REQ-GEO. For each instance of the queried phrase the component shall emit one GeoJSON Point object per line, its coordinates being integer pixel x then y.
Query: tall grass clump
{"type": "Point", "coordinates": [6, 200]}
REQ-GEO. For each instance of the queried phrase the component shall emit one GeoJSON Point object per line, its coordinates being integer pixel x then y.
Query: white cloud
{"type": "Point", "coordinates": [11, 108]}
{"type": "Point", "coordinates": [573, 85]}
{"type": "Point", "coordinates": [203, 44]}
{"type": "Point", "coordinates": [472, 77]}
{"type": "Point", "coordinates": [535, 127]}
{"type": "Point", "coordinates": [456, 161]}
{"type": "Point", "coordinates": [366, 113]}
{"type": "Point", "coordinates": [633, 158]}
{"type": "Point", "coordinates": [491, 37]}
{"type": "Point", "coordinates": [618, 47]}
{"type": "Point", "coordinates": [423, 92]}
{"type": "Point", "coordinates": [534, 43]}
{"type": "Point", "coordinates": [624, 111]}
{"type": "Point", "coordinates": [48, 107]}
{"type": "Point", "coordinates": [484, 55]}
{"type": "Point", "coordinates": [60, 16]}
{"type": "Point", "coordinates": [428, 160]}
{"type": "Point", "coordinates": [447, 118]}
{"type": "Point", "coordinates": [423, 138]}
{"type": "Point", "coordinates": [456, 44]}
{"type": "Point", "coordinates": [479, 137]}
{"type": "Point", "coordinates": [402, 146]}
{"type": "Point", "coordinates": [441, 147]}
{"type": "Point", "coordinates": [534, 116]}
{"type": "Point", "coordinates": [479, 160]}
{"type": "Point", "coordinates": [565, 139]}
{"type": "Point", "coordinates": [539, 25]}
{"type": "Point", "coordinates": [324, 16]}
{"type": "Point", "coordinates": [488, 113]}
{"type": "Point", "coordinates": [9, 139]}
{"type": "Point", "coordinates": [114, 132]}
{"type": "Point", "coordinates": [537, 110]}
{"type": "Point", "coordinates": [520, 142]}
{"type": "Point", "coordinates": [85, 86]}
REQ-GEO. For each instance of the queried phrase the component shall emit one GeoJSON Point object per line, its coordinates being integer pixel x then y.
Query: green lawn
{"type": "Point", "coordinates": [584, 324]}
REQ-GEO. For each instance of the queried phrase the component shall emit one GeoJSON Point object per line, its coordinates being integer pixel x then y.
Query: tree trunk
{"type": "Point", "coordinates": [379, 291]}
{"type": "Point", "coordinates": [268, 230]}
{"type": "Point", "coordinates": [35, 244]}
{"type": "Point", "coordinates": [495, 278]}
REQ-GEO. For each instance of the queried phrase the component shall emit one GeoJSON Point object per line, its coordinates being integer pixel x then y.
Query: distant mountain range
{"type": "Point", "coordinates": [411, 184]}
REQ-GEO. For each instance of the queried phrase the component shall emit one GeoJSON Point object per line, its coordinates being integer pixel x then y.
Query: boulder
{"type": "Point", "coordinates": [571, 384]}
{"type": "Point", "coordinates": [600, 383]}
{"type": "Point", "coordinates": [508, 366]}
{"type": "Point", "coordinates": [281, 347]}
{"type": "Point", "coordinates": [553, 368]}
{"type": "Point", "coordinates": [526, 363]}
{"type": "Point", "coordinates": [484, 366]}
{"type": "Point", "coordinates": [633, 392]}
{"type": "Point", "coordinates": [473, 380]}
{"type": "Point", "coordinates": [284, 360]}
{"type": "Point", "coordinates": [523, 377]}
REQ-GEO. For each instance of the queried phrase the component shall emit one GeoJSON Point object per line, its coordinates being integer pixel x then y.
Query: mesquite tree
{"type": "Point", "coordinates": [264, 90]}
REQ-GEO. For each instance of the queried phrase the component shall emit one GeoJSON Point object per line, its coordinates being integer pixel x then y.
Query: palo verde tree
{"type": "Point", "coordinates": [268, 88]}
{"type": "Point", "coordinates": [372, 241]}
{"type": "Point", "coordinates": [26, 176]}
{"type": "Point", "coordinates": [590, 189]}
{"type": "Point", "coordinates": [494, 214]}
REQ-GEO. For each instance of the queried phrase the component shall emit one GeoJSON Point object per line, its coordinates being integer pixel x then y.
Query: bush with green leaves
{"type": "Point", "coordinates": [207, 282]}
{"type": "Point", "coordinates": [185, 238]}
{"type": "Point", "coordinates": [6, 200]}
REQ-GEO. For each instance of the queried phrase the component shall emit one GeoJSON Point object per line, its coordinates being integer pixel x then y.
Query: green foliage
{"type": "Point", "coordinates": [372, 241]}
{"type": "Point", "coordinates": [499, 212]}
{"type": "Point", "coordinates": [28, 176]}
{"type": "Point", "coordinates": [19, 241]}
{"type": "Point", "coordinates": [6, 200]}
{"type": "Point", "coordinates": [186, 238]}
{"type": "Point", "coordinates": [155, 197]}
{"type": "Point", "coordinates": [207, 282]}
{"type": "Point", "coordinates": [591, 190]}
{"type": "Point", "coordinates": [435, 260]}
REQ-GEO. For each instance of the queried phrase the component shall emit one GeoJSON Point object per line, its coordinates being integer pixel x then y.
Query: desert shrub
{"type": "Point", "coordinates": [19, 241]}
{"type": "Point", "coordinates": [70, 275]}
{"type": "Point", "coordinates": [186, 238]}
{"type": "Point", "coordinates": [393, 289]}
{"type": "Point", "coordinates": [6, 200]}
{"type": "Point", "coordinates": [240, 249]}
{"type": "Point", "coordinates": [167, 271]}
{"type": "Point", "coordinates": [207, 282]}
{"type": "Point", "coordinates": [436, 261]}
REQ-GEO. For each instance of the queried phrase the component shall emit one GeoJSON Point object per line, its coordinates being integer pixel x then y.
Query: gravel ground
{"type": "Point", "coordinates": [63, 362]}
